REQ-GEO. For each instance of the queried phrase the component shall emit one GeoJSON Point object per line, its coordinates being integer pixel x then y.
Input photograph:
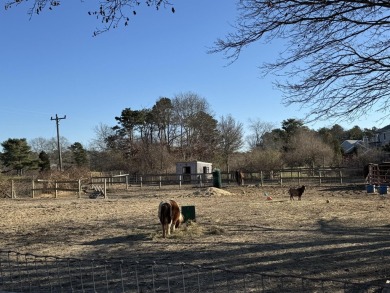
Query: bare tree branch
{"type": "Point", "coordinates": [111, 13]}
{"type": "Point", "coordinates": [337, 56]}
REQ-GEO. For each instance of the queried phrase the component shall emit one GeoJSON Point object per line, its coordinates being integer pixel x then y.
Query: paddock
{"type": "Point", "coordinates": [337, 233]}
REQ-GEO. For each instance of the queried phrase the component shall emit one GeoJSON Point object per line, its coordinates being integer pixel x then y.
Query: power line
{"type": "Point", "coordinates": [57, 119]}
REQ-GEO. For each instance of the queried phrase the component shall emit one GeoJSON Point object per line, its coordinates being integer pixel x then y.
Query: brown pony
{"type": "Point", "coordinates": [170, 216]}
{"type": "Point", "coordinates": [296, 192]}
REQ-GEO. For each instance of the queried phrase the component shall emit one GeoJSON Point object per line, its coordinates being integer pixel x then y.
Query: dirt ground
{"type": "Point", "coordinates": [338, 232]}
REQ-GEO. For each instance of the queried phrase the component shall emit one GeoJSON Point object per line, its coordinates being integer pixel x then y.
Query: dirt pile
{"type": "Point", "coordinates": [212, 191]}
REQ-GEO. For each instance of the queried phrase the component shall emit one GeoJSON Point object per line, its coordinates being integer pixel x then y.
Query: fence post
{"type": "Point", "coordinates": [299, 177]}
{"type": "Point", "coordinates": [261, 178]}
{"type": "Point", "coordinates": [200, 183]}
{"type": "Point", "coordinates": [56, 189]}
{"type": "Point", "coordinates": [105, 187]}
{"type": "Point", "coordinates": [320, 177]}
{"type": "Point", "coordinates": [127, 182]}
{"type": "Point", "coordinates": [13, 192]}
{"type": "Point", "coordinates": [179, 181]}
{"type": "Point", "coordinates": [281, 180]}
{"type": "Point", "coordinates": [140, 179]}
{"type": "Point", "coordinates": [159, 185]}
{"type": "Point", "coordinates": [79, 192]}
{"type": "Point", "coordinates": [33, 189]}
{"type": "Point", "coordinates": [341, 177]}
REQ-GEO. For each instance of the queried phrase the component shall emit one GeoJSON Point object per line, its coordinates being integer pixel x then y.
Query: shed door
{"type": "Point", "coordinates": [187, 174]}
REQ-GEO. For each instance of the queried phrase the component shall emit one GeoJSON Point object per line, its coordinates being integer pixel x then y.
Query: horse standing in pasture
{"type": "Point", "coordinates": [296, 192]}
{"type": "Point", "coordinates": [240, 177]}
{"type": "Point", "coordinates": [170, 216]}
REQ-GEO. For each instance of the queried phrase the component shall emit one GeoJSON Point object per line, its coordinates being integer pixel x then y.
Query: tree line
{"type": "Point", "coordinates": [152, 140]}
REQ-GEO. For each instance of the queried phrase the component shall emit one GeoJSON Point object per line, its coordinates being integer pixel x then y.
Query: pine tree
{"type": "Point", "coordinates": [17, 155]}
{"type": "Point", "coordinates": [79, 154]}
{"type": "Point", "coordinates": [44, 163]}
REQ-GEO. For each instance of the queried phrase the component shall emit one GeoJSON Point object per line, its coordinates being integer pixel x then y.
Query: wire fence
{"type": "Point", "coordinates": [33, 273]}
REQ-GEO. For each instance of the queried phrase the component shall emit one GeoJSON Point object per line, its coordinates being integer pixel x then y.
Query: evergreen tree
{"type": "Point", "coordinates": [44, 161]}
{"type": "Point", "coordinates": [17, 155]}
{"type": "Point", "coordinates": [355, 133]}
{"type": "Point", "coordinates": [79, 154]}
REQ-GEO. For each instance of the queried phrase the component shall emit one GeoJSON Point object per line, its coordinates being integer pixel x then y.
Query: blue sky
{"type": "Point", "coordinates": [52, 65]}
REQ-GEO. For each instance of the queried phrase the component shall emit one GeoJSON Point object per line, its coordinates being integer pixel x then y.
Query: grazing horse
{"type": "Point", "coordinates": [239, 177]}
{"type": "Point", "coordinates": [170, 216]}
{"type": "Point", "coordinates": [296, 192]}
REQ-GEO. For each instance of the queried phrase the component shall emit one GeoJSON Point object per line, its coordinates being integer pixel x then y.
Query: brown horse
{"type": "Point", "coordinates": [240, 177]}
{"type": "Point", "coordinates": [170, 216]}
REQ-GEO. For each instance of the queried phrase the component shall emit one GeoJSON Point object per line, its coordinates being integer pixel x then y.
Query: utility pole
{"type": "Point", "coordinates": [57, 119]}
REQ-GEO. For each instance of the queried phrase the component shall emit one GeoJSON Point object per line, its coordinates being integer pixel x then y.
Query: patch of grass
{"type": "Point", "coordinates": [215, 230]}
{"type": "Point", "coordinates": [189, 230]}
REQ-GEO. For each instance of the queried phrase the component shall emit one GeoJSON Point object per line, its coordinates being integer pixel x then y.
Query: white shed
{"type": "Point", "coordinates": [192, 170]}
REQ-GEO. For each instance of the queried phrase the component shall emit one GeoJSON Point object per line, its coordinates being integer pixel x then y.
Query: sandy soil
{"type": "Point", "coordinates": [333, 232]}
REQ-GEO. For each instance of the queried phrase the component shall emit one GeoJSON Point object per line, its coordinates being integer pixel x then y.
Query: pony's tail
{"type": "Point", "coordinates": [165, 213]}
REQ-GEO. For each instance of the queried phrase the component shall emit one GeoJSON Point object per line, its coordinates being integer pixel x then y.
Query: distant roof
{"type": "Point", "coordinates": [350, 144]}
{"type": "Point", "coordinates": [197, 162]}
{"type": "Point", "coordinates": [386, 128]}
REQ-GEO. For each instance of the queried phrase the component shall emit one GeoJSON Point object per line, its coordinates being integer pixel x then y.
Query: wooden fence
{"type": "Point", "coordinates": [15, 188]}
{"type": "Point", "coordinates": [159, 180]}
{"type": "Point", "coordinates": [279, 177]}
{"type": "Point", "coordinates": [102, 185]}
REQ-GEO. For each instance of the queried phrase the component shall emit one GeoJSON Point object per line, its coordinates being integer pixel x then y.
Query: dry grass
{"type": "Point", "coordinates": [333, 232]}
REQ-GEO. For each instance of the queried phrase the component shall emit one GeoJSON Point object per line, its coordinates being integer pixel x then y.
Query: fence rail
{"type": "Point", "coordinates": [33, 273]}
{"type": "Point", "coordinates": [14, 188]}
{"type": "Point", "coordinates": [104, 184]}
{"type": "Point", "coordinates": [274, 177]}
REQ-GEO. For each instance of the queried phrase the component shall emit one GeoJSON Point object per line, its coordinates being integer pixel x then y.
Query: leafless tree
{"type": "Point", "coordinates": [336, 57]}
{"type": "Point", "coordinates": [40, 144]}
{"type": "Point", "coordinates": [257, 129]}
{"type": "Point", "coordinates": [260, 159]}
{"type": "Point", "coordinates": [111, 13]}
{"type": "Point", "coordinates": [306, 148]}
{"type": "Point", "coordinates": [366, 156]}
{"type": "Point", "coordinates": [48, 145]}
{"type": "Point", "coordinates": [192, 115]}
{"type": "Point", "coordinates": [102, 132]}
{"type": "Point", "coordinates": [231, 132]}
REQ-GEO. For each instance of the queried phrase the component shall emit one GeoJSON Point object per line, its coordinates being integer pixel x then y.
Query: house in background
{"type": "Point", "coordinates": [190, 171]}
{"type": "Point", "coordinates": [380, 139]}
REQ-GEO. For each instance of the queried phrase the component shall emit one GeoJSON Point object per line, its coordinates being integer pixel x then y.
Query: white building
{"type": "Point", "coordinates": [194, 170]}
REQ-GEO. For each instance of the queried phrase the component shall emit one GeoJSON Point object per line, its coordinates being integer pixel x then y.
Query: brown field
{"type": "Point", "coordinates": [337, 232]}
